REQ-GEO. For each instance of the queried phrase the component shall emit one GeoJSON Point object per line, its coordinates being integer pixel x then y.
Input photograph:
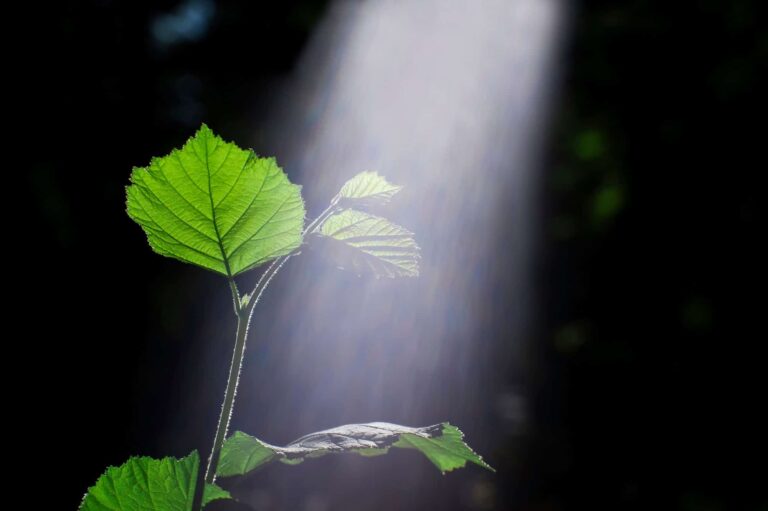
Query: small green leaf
{"type": "Point", "coordinates": [215, 205]}
{"type": "Point", "coordinates": [442, 444]}
{"type": "Point", "coordinates": [368, 188]}
{"type": "Point", "coordinates": [144, 484]}
{"type": "Point", "coordinates": [365, 243]}
{"type": "Point", "coordinates": [245, 300]}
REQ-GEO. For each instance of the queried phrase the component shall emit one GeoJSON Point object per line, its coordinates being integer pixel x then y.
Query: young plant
{"type": "Point", "coordinates": [227, 210]}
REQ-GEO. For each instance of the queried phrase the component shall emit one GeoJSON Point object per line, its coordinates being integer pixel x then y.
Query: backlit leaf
{"type": "Point", "coordinates": [148, 484]}
{"type": "Point", "coordinates": [368, 244]}
{"type": "Point", "coordinates": [442, 444]}
{"type": "Point", "coordinates": [368, 188]}
{"type": "Point", "coordinates": [215, 205]}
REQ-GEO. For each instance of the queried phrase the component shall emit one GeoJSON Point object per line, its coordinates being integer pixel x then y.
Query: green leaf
{"type": "Point", "coordinates": [148, 484]}
{"type": "Point", "coordinates": [365, 243]}
{"type": "Point", "coordinates": [447, 451]}
{"type": "Point", "coordinates": [215, 205]}
{"type": "Point", "coordinates": [442, 444]}
{"type": "Point", "coordinates": [242, 453]}
{"type": "Point", "coordinates": [213, 492]}
{"type": "Point", "coordinates": [368, 188]}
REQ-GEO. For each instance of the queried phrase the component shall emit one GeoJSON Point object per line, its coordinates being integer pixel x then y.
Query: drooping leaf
{"type": "Point", "coordinates": [368, 188]}
{"type": "Point", "coordinates": [442, 444]}
{"type": "Point", "coordinates": [447, 451]}
{"type": "Point", "coordinates": [148, 484]}
{"type": "Point", "coordinates": [365, 243]}
{"type": "Point", "coordinates": [215, 205]}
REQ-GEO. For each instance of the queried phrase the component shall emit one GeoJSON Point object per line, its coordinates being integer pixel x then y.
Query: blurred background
{"type": "Point", "coordinates": [581, 177]}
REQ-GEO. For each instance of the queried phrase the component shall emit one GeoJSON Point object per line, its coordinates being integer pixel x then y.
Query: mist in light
{"type": "Point", "coordinates": [448, 99]}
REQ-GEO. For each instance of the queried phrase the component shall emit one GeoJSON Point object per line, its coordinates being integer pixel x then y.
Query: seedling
{"type": "Point", "coordinates": [229, 211]}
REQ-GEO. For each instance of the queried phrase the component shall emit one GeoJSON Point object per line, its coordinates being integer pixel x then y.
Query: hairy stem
{"type": "Point", "coordinates": [229, 396]}
{"type": "Point", "coordinates": [244, 311]}
{"type": "Point", "coordinates": [244, 314]}
{"type": "Point", "coordinates": [317, 222]}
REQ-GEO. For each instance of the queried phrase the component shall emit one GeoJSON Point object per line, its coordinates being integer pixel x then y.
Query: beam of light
{"type": "Point", "coordinates": [447, 98]}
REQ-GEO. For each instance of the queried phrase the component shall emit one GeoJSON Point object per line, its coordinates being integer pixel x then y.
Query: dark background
{"type": "Point", "coordinates": [644, 375]}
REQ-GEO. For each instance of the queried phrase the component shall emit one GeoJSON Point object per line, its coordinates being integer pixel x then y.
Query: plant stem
{"type": "Point", "coordinates": [243, 321]}
{"type": "Point", "coordinates": [331, 209]}
{"type": "Point", "coordinates": [244, 313]}
{"type": "Point", "coordinates": [235, 295]}
{"type": "Point", "coordinates": [229, 396]}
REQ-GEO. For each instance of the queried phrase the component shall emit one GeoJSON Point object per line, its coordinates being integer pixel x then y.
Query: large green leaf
{"type": "Point", "coordinates": [368, 188]}
{"type": "Point", "coordinates": [215, 205]}
{"type": "Point", "coordinates": [147, 484]}
{"type": "Point", "coordinates": [365, 243]}
{"type": "Point", "coordinates": [442, 444]}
